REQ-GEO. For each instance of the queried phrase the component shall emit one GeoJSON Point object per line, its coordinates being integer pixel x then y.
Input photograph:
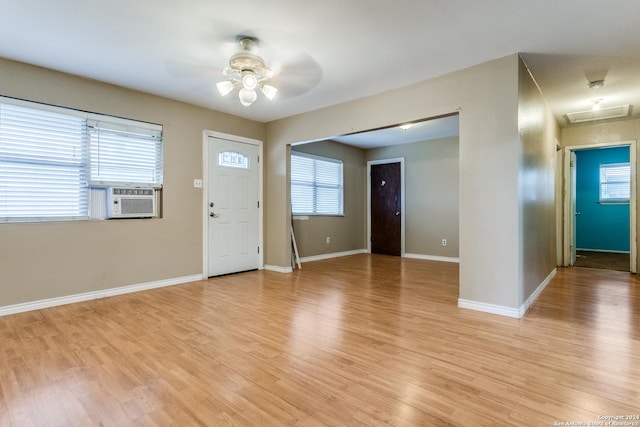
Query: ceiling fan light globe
{"type": "Point", "coordinates": [269, 91]}
{"type": "Point", "coordinates": [224, 87]}
{"type": "Point", "coordinates": [247, 96]}
{"type": "Point", "coordinates": [249, 81]}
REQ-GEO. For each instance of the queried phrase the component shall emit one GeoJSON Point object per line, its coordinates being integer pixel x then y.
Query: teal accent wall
{"type": "Point", "coordinates": [599, 226]}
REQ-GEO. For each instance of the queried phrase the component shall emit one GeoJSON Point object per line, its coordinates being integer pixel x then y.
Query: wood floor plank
{"type": "Point", "coordinates": [359, 340]}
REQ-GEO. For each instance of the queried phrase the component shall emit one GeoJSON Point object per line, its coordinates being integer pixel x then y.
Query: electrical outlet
{"type": "Point", "coordinates": [328, 240]}
{"type": "Point", "coordinates": [197, 183]}
{"type": "Point", "coordinates": [444, 242]}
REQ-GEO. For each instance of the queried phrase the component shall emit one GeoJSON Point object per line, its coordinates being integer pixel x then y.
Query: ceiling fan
{"type": "Point", "coordinates": [248, 71]}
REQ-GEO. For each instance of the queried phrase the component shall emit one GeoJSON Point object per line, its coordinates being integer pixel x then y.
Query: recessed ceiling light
{"type": "Point", "coordinates": [596, 103]}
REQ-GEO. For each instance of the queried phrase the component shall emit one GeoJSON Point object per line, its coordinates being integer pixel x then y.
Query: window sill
{"type": "Point", "coordinates": [304, 217]}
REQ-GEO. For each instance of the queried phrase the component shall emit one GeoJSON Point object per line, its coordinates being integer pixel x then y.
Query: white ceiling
{"type": "Point", "coordinates": [420, 131]}
{"type": "Point", "coordinates": [330, 51]}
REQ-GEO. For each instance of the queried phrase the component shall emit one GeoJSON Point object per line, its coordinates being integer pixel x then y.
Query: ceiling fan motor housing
{"type": "Point", "coordinates": [246, 61]}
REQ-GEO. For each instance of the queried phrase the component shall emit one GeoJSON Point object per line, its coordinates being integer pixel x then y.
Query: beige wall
{"type": "Point", "coordinates": [602, 132]}
{"type": "Point", "coordinates": [46, 260]}
{"type": "Point", "coordinates": [346, 232]}
{"type": "Point", "coordinates": [431, 194]}
{"type": "Point", "coordinates": [538, 134]}
{"type": "Point", "coordinates": [486, 97]}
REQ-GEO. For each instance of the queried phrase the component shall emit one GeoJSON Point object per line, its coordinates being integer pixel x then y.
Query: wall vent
{"type": "Point", "coordinates": [603, 113]}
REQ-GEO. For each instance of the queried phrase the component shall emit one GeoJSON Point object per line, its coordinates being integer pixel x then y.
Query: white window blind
{"type": "Point", "coordinates": [124, 153]}
{"type": "Point", "coordinates": [42, 165]}
{"type": "Point", "coordinates": [316, 185]}
{"type": "Point", "coordinates": [50, 157]}
{"type": "Point", "coordinates": [615, 182]}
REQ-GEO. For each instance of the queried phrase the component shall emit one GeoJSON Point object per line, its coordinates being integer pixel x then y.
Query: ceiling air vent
{"type": "Point", "coordinates": [603, 113]}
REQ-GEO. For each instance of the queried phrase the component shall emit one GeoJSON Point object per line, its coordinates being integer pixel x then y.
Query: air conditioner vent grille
{"type": "Point", "coordinates": [131, 202]}
{"type": "Point", "coordinates": [603, 113]}
{"type": "Point", "coordinates": [137, 206]}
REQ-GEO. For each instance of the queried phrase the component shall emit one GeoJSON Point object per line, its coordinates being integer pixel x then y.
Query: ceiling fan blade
{"type": "Point", "coordinates": [209, 56]}
{"type": "Point", "coordinates": [296, 75]}
{"type": "Point", "coordinates": [294, 72]}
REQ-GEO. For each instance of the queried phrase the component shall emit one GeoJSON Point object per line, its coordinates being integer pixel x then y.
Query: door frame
{"type": "Point", "coordinates": [568, 216]}
{"type": "Point", "coordinates": [205, 191]}
{"type": "Point", "coordinates": [402, 200]}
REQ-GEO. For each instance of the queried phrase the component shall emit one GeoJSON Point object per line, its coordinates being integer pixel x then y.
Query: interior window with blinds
{"type": "Point", "coordinates": [50, 157]}
{"type": "Point", "coordinates": [316, 185]}
{"type": "Point", "coordinates": [615, 183]}
{"type": "Point", "coordinates": [124, 152]}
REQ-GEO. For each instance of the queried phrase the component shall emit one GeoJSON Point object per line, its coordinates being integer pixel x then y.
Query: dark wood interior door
{"type": "Point", "coordinates": [386, 229]}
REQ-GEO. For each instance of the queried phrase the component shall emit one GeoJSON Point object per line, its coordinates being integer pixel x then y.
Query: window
{"type": "Point", "coordinates": [316, 185]}
{"type": "Point", "coordinates": [615, 182]}
{"type": "Point", "coordinates": [50, 157]}
{"type": "Point", "coordinates": [124, 152]}
{"type": "Point", "coordinates": [233, 160]}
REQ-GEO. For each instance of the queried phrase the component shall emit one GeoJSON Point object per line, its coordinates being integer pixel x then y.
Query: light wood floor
{"type": "Point", "coordinates": [363, 340]}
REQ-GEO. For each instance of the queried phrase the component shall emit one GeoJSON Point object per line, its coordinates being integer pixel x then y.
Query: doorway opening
{"type": "Point", "coordinates": [600, 222]}
{"type": "Point", "coordinates": [427, 207]}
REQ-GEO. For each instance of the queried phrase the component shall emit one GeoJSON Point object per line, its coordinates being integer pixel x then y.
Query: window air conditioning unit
{"type": "Point", "coordinates": [123, 202]}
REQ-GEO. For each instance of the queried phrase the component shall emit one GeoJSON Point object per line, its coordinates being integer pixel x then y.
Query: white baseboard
{"type": "Point", "coordinates": [332, 255]}
{"type": "Point", "coordinates": [433, 258]}
{"type": "Point", "coordinates": [534, 296]}
{"type": "Point", "coordinates": [104, 293]}
{"type": "Point", "coordinates": [508, 311]}
{"type": "Point", "coordinates": [489, 308]}
{"type": "Point", "coordinates": [278, 269]}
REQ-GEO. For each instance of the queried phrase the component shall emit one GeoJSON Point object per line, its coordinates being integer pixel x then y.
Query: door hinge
{"type": "Point", "coordinates": [258, 204]}
{"type": "Point", "coordinates": [258, 249]}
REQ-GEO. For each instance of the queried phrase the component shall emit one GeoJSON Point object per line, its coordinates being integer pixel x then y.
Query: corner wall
{"type": "Point", "coordinates": [346, 232]}
{"type": "Point", "coordinates": [431, 194]}
{"type": "Point", "coordinates": [486, 97]}
{"type": "Point", "coordinates": [538, 131]}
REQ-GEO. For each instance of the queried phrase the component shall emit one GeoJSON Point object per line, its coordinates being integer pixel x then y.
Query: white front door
{"type": "Point", "coordinates": [232, 206]}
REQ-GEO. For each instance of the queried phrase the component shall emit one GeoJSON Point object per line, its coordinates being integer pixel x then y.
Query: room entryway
{"type": "Point", "coordinates": [600, 218]}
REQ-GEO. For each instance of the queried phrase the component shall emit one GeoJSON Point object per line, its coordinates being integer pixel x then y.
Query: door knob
{"type": "Point", "coordinates": [214, 215]}
{"type": "Point", "coordinates": [397, 213]}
